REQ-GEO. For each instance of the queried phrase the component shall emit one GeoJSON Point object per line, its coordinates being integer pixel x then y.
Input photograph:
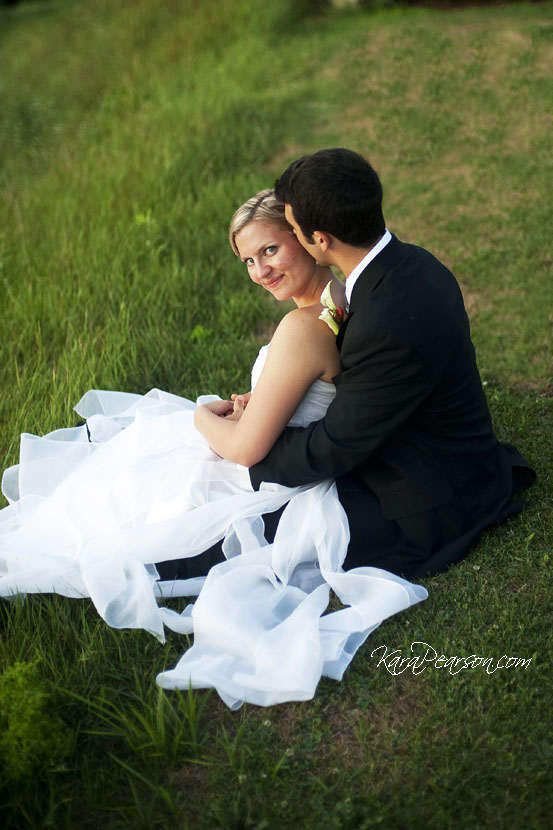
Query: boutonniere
{"type": "Point", "coordinates": [332, 315]}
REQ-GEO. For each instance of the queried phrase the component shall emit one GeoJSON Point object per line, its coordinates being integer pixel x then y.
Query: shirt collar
{"type": "Point", "coordinates": [360, 267]}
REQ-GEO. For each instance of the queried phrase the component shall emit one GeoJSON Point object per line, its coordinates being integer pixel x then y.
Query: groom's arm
{"type": "Point", "coordinates": [382, 383]}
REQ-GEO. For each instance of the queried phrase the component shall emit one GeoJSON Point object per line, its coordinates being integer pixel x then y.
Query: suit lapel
{"type": "Point", "coordinates": [374, 272]}
{"type": "Point", "coordinates": [369, 279]}
{"type": "Point", "coordinates": [342, 331]}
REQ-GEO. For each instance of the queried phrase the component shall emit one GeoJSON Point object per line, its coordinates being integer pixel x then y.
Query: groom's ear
{"type": "Point", "coordinates": [322, 239]}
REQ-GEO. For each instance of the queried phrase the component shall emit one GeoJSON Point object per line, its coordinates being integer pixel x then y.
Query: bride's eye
{"type": "Point", "coordinates": [271, 250]}
{"type": "Point", "coordinates": [248, 261]}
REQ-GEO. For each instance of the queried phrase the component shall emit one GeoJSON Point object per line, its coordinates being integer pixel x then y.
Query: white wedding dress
{"type": "Point", "coordinates": [93, 508]}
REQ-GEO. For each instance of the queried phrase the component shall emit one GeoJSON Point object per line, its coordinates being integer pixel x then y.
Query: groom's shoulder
{"type": "Point", "coordinates": [413, 294]}
{"type": "Point", "coordinates": [409, 252]}
{"type": "Point", "coordinates": [412, 271]}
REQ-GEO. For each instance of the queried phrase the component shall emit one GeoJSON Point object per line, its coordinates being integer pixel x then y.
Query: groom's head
{"type": "Point", "coordinates": [336, 192]}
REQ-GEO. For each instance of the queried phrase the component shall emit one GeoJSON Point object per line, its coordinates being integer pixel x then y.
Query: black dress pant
{"type": "Point", "coordinates": [201, 564]}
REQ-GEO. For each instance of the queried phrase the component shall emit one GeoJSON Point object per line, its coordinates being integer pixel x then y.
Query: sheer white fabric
{"type": "Point", "coordinates": [94, 507]}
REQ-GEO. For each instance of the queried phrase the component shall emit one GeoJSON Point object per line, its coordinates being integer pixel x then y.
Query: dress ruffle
{"type": "Point", "coordinates": [93, 508]}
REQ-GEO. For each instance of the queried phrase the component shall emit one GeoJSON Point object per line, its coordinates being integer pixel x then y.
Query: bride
{"type": "Point", "coordinates": [155, 478]}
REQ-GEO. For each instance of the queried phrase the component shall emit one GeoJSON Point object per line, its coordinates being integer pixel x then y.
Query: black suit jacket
{"type": "Point", "coordinates": [409, 437]}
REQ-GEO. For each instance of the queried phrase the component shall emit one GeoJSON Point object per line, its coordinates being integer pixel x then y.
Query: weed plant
{"type": "Point", "coordinates": [130, 132]}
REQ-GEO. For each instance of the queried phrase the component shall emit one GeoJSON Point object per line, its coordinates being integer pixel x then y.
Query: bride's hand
{"type": "Point", "coordinates": [219, 408]}
{"type": "Point", "coordinates": [240, 403]}
{"type": "Point", "coordinates": [245, 397]}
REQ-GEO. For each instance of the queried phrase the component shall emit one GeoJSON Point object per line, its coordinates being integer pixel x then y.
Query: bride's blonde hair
{"type": "Point", "coordinates": [263, 207]}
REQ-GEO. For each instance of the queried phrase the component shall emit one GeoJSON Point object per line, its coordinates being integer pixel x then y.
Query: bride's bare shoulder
{"type": "Point", "coordinates": [304, 323]}
{"type": "Point", "coordinates": [302, 340]}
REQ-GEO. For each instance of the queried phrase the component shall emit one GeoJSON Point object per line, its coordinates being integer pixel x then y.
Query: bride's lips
{"type": "Point", "coordinates": [273, 281]}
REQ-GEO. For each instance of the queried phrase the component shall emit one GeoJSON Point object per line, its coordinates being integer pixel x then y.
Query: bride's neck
{"type": "Point", "coordinates": [312, 295]}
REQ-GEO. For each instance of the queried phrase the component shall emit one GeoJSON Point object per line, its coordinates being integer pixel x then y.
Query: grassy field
{"type": "Point", "coordinates": [130, 131]}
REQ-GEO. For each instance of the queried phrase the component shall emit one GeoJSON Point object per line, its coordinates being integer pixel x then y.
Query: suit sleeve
{"type": "Point", "coordinates": [382, 383]}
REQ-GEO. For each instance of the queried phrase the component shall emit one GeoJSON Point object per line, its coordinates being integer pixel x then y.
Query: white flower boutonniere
{"type": "Point", "coordinates": [332, 315]}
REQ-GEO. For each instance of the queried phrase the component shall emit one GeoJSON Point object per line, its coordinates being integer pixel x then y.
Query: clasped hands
{"type": "Point", "coordinates": [231, 410]}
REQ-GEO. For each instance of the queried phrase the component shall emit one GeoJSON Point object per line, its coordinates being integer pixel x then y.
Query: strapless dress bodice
{"type": "Point", "coordinates": [315, 401]}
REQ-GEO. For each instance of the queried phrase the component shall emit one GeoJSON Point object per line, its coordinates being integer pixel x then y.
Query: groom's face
{"type": "Point", "coordinates": [311, 245]}
{"type": "Point", "coordinates": [308, 244]}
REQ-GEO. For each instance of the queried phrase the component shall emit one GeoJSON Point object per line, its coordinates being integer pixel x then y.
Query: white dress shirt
{"type": "Point", "coordinates": [360, 267]}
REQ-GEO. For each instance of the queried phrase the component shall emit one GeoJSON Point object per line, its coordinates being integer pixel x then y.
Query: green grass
{"type": "Point", "coordinates": [130, 132]}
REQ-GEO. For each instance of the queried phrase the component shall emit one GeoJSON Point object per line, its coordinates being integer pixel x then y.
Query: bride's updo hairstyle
{"type": "Point", "coordinates": [263, 207]}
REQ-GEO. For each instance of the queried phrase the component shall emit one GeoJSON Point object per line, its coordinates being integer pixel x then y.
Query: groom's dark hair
{"type": "Point", "coordinates": [336, 191]}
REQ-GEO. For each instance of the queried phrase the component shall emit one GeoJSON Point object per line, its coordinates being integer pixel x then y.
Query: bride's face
{"type": "Point", "coordinates": [275, 259]}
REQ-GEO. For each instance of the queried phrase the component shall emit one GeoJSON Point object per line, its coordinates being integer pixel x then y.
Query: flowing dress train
{"type": "Point", "coordinates": [93, 508]}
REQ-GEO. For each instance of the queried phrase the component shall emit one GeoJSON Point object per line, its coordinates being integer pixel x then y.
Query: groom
{"type": "Point", "coordinates": [408, 438]}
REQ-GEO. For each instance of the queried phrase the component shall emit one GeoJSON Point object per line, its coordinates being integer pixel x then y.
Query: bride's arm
{"type": "Point", "coordinates": [302, 349]}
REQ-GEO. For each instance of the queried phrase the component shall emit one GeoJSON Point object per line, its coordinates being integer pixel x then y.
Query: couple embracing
{"type": "Point", "coordinates": [364, 457]}
{"type": "Point", "coordinates": [408, 437]}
